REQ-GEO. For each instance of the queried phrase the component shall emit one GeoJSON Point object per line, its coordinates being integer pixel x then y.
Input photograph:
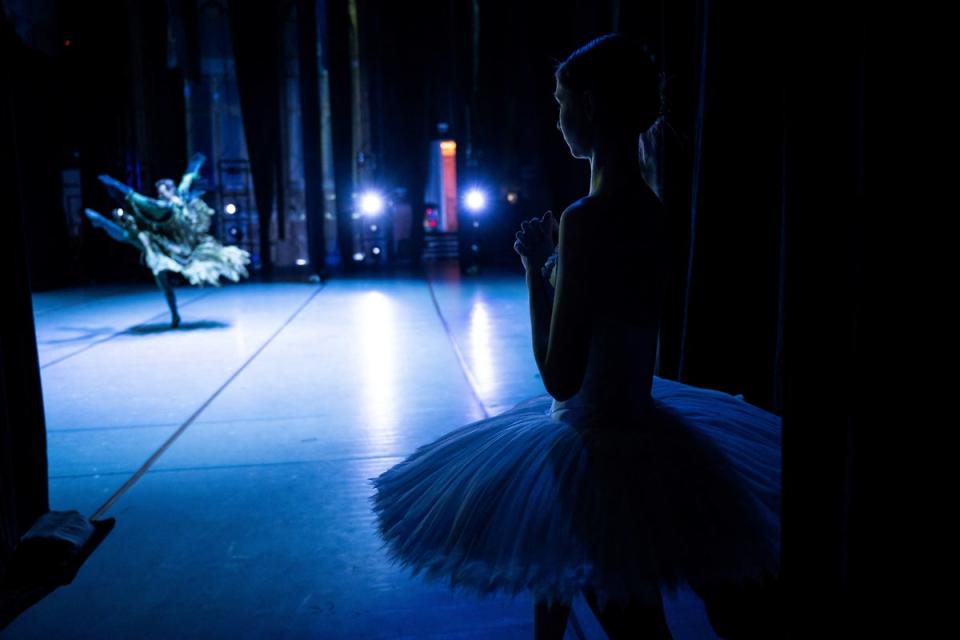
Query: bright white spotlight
{"type": "Point", "coordinates": [119, 212]}
{"type": "Point", "coordinates": [375, 251]}
{"type": "Point", "coordinates": [358, 256]}
{"type": "Point", "coordinates": [475, 200]}
{"type": "Point", "coordinates": [371, 203]}
{"type": "Point", "coordinates": [230, 209]}
{"type": "Point", "coordinates": [301, 262]}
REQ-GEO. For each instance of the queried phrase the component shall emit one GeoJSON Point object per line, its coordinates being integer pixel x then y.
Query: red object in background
{"type": "Point", "coordinates": [448, 156]}
{"type": "Point", "coordinates": [440, 192]}
{"type": "Point", "coordinates": [431, 218]}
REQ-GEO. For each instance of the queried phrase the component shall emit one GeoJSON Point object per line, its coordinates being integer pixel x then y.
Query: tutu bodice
{"type": "Point", "coordinates": [618, 378]}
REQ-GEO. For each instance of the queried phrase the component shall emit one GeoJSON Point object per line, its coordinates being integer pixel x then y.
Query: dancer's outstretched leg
{"type": "Point", "coordinates": [113, 230]}
{"type": "Point", "coordinates": [163, 281]}
{"type": "Point", "coordinates": [549, 621]}
{"type": "Point", "coordinates": [633, 620]}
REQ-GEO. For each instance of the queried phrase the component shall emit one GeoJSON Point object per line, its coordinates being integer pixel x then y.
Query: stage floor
{"type": "Point", "coordinates": [262, 418]}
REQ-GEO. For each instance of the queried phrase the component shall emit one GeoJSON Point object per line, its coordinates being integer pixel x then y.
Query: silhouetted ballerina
{"type": "Point", "coordinates": [618, 483]}
{"type": "Point", "coordinates": [172, 234]}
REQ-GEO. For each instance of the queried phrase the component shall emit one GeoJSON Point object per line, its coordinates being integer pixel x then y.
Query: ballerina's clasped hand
{"type": "Point", "coordinates": [535, 241]}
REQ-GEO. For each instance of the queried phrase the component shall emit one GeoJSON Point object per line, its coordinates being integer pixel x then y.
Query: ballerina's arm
{"type": "Point", "coordinates": [149, 209]}
{"type": "Point", "coordinates": [561, 333]}
{"type": "Point", "coordinates": [192, 173]}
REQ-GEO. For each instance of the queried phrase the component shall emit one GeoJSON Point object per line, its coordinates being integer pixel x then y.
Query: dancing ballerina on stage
{"type": "Point", "coordinates": [172, 233]}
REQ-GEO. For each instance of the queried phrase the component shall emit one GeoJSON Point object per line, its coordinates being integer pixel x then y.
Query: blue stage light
{"type": "Point", "coordinates": [372, 204]}
{"type": "Point", "coordinates": [475, 200]}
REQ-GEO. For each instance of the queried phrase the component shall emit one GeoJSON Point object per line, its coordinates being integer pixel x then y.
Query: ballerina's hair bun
{"type": "Point", "coordinates": [623, 77]}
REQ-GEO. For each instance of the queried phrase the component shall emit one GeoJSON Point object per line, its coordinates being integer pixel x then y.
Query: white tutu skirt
{"type": "Point", "coordinates": [554, 503]}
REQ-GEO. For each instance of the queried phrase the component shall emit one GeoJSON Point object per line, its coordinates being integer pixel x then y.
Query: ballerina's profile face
{"type": "Point", "coordinates": [574, 121]}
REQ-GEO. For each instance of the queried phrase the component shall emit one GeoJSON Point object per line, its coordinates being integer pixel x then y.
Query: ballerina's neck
{"type": "Point", "coordinates": [614, 168]}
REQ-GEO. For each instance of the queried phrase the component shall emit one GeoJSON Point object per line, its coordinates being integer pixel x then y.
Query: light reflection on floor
{"type": "Point", "coordinates": [481, 353]}
{"type": "Point", "coordinates": [377, 341]}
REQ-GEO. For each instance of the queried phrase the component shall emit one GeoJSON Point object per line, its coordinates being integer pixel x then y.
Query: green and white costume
{"type": "Point", "coordinates": [174, 235]}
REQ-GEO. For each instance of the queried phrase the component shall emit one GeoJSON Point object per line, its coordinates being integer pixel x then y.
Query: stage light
{"type": "Point", "coordinates": [358, 256]}
{"type": "Point", "coordinates": [375, 251]}
{"type": "Point", "coordinates": [475, 200]}
{"type": "Point", "coordinates": [371, 204]}
{"type": "Point", "coordinates": [119, 212]}
{"type": "Point", "coordinates": [373, 228]}
{"type": "Point", "coordinates": [230, 209]}
{"type": "Point", "coordinates": [476, 224]}
{"type": "Point", "coordinates": [301, 262]}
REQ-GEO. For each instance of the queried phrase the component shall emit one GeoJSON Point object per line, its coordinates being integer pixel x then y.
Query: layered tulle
{"type": "Point", "coordinates": [554, 501]}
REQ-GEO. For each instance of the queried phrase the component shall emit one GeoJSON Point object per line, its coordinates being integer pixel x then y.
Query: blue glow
{"type": "Point", "coordinates": [475, 200]}
{"type": "Point", "coordinates": [372, 204]}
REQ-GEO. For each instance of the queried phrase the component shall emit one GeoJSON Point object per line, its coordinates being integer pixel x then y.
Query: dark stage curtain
{"type": "Point", "coordinates": [766, 185]}
{"type": "Point", "coordinates": [256, 48]}
{"type": "Point", "coordinates": [336, 54]}
{"type": "Point", "coordinates": [824, 196]}
{"type": "Point", "coordinates": [23, 446]}
{"type": "Point", "coordinates": [310, 113]}
{"type": "Point", "coordinates": [722, 183]}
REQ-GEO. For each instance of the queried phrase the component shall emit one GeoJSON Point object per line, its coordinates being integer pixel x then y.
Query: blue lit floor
{"type": "Point", "coordinates": [255, 521]}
